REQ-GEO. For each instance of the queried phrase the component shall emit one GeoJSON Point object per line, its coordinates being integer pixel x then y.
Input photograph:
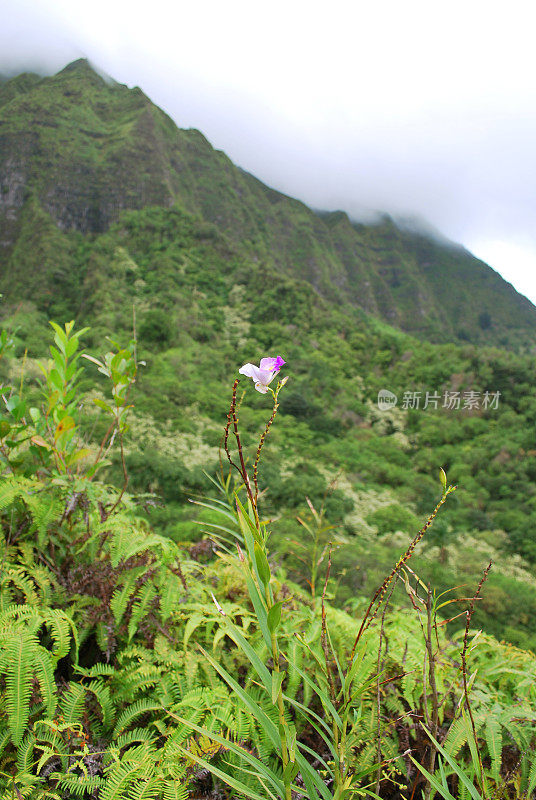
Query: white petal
{"type": "Point", "coordinates": [266, 376]}
{"type": "Point", "coordinates": [250, 371]}
{"type": "Point", "coordinates": [261, 387]}
{"type": "Point", "coordinates": [268, 363]}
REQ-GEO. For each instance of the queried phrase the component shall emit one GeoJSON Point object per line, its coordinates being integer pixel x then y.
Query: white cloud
{"type": "Point", "coordinates": [411, 107]}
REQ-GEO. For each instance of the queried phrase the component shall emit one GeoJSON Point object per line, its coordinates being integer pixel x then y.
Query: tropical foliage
{"type": "Point", "coordinates": [204, 594]}
{"type": "Point", "coordinates": [139, 665]}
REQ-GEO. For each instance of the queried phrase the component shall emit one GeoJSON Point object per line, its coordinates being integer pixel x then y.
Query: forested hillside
{"type": "Point", "coordinates": [76, 150]}
{"type": "Point", "coordinates": [113, 578]}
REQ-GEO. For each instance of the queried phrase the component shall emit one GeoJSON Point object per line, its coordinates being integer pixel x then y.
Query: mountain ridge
{"type": "Point", "coordinates": [83, 149]}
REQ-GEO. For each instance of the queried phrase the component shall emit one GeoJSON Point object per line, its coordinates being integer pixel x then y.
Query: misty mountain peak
{"type": "Point", "coordinates": [79, 150]}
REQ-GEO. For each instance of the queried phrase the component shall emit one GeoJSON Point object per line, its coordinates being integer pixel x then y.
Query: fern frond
{"type": "Point", "coordinates": [140, 608]}
{"type": "Point", "coordinates": [531, 785]}
{"type": "Point", "coordinates": [44, 670]}
{"type": "Point", "coordinates": [5, 738]}
{"type": "Point", "coordinates": [133, 712]}
{"type": "Point", "coordinates": [122, 595]}
{"type": "Point", "coordinates": [78, 785]}
{"type": "Point", "coordinates": [123, 777]}
{"type": "Point", "coordinates": [169, 590]}
{"type": "Point", "coordinates": [20, 657]}
{"type": "Point", "coordinates": [102, 693]}
{"type": "Point", "coordinates": [134, 736]}
{"type": "Point", "coordinates": [126, 543]}
{"type": "Point", "coordinates": [173, 790]}
{"type": "Point", "coordinates": [72, 703]}
{"type": "Point", "coordinates": [493, 732]}
{"type": "Point", "coordinates": [456, 737]}
{"type": "Point", "coordinates": [97, 671]}
{"type": "Point", "coordinates": [148, 790]}
{"type": "Point", "coordinates": [11, 488]}
{"type": "Point", "coordinates": [17, 577]}
{"type": "Point", "coordinates": [44, 509]}
{"type": "Point", "coordinates": [25, 753]}
{"type": "Point", "coordinates": [61, 628]}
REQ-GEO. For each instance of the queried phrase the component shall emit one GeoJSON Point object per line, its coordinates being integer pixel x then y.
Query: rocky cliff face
{"type": "Point", "coordinates": [82, 149]}
{"type": "Point", "coordinates": [86, 148]}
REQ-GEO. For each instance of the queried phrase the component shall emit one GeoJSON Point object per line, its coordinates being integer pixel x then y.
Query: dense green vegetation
{"type": "Point", "coordinates": [135, 666]}
{"type": "Point", "coordinates": [76, 150]}
{"type": "Point", "coordinates": [201, 309]}
{"type": "Point", "coordinates": [111, 215]}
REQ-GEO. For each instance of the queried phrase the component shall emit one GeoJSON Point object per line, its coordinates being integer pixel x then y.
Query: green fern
{"type": "Point", "coordinates": [20, 651]}
{"type": "Point", "coordinates": [457, 736]}
{"type": "Point", "coordinates": [14, 578]}
{"type": "Point", "coordinates": [123, 593]}
{"type": "Point", "coordinates": [44, 510]}
{"type": "Point", "coordinates": [174, 790]}
{"type": "Point", "coordinates": [25, 753]}
{"type": "Point", "coordinates": [79, 785]}
{"type": "Point", "coordinates": [43, 507]}
{"type": "Point", "coordinates": [124, 778]}
{"type": "Point", "coordinates": [493, 732]}
{"type": "Point", "coordinates": [140, 608]}
{"type": "Point", "coordinates": [126, 542]}
{"type": "Point", "coordinates": [72, 703]}
{"type": "Point", "coordinates": [133, 712]}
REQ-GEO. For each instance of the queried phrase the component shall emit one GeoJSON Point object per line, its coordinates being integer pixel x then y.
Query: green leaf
{"type": "Point", "coordinates": [19, 655]}
{"type": "Point", "coordinates": [321, 694]}
{"type": "Point", "coordinates": [277, 680]}
{"type": "Point", "coordinates": [263, 568]}
{"type": "Point", "coordinates": [246, 523]}
{"type": "Point", "coordinates": [72, 346]}
{"type": "Point", "coordinates": [532, 777]}
{"type": "Point", "coordinates": [35, 414]}
{"type": "Point", "coordinates": [103, 404]}
{"type": "Point", "coordinates": [274, 616]}
{"type": "Point", "coordinates": [439, 787]}
{"type": "Point", "coordinates": [247, 791]}
{"type": "Point", "coordinates": [72, 459]}
{"type": "Point", "coordinates": [259, 606]}
{"type": "Point", "coordinates": [290, 771]}
{"type": "Point", "coordinates": [60, 338]}
{"type": "Point", "coordinates": [264, 720]}
{"type": "Point", "coordinates": [56, 379]}
{"type": "Point", "coordinates": [291, 742]}
{"type": "Point", "coordinates": [467, 782]}
{"type": "Point", "coordinates": [256, 662]}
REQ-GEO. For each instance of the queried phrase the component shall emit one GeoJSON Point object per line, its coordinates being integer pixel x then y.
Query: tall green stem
{"type": "Point", "coordinates": [280, 706]}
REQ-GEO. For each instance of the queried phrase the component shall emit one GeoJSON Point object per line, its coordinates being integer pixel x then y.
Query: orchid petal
{"type": "Point", "coordinates": [250, 371]}
{"type": "Point", "coordinates": [272, 364]}
{"type": "Point", "coordinates": [265, 376]}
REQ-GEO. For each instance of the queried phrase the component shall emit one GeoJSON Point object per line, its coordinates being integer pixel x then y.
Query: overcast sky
{"type": "Point", "coordinates": [416, 108]}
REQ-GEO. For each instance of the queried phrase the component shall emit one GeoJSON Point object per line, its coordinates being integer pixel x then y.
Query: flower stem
{"type": "Point", "coordinates": [280, 705]}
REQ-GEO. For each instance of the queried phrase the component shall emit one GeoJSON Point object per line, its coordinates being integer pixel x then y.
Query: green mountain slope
{"type": "Point", "coordinates": [110, 209]}
{"type": "Point", "coordinates": [76, 150]}
{"type": "Point", "coordinates": [137, 642]}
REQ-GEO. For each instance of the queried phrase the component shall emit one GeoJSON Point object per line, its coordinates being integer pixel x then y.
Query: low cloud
{"type": "Point", "coordinates": [393, 109]}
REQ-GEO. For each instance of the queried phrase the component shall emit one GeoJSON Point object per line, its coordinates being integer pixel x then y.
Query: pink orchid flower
{"type": "Point", "coordinates": [264, 374]}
